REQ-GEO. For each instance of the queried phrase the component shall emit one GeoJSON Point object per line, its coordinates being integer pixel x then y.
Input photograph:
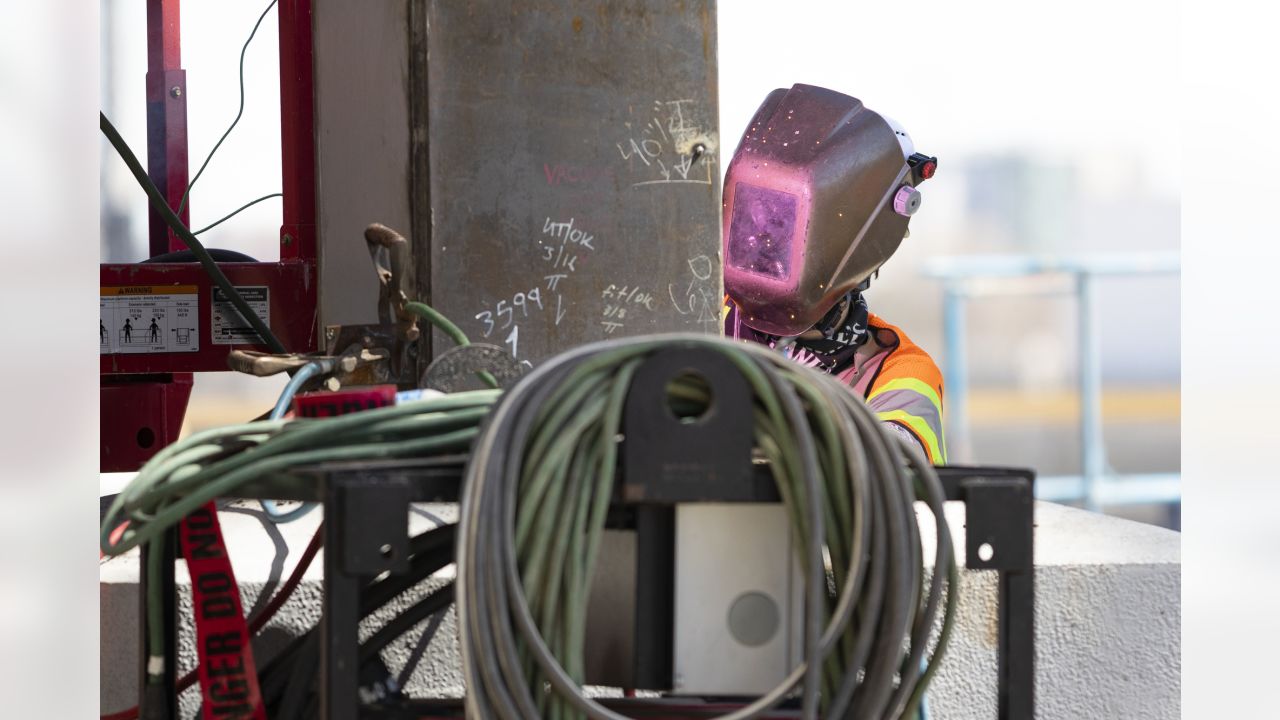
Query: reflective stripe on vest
{"type": "Point", "coordinates": [916, 405]}
{"type": "Point", "coordinates": [922, 430]}
{"type": "Point", "coordinates": [914, 385]}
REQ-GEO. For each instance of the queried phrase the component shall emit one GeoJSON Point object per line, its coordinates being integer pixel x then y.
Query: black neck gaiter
{"type": "Point", "coordinates": [833, 352]}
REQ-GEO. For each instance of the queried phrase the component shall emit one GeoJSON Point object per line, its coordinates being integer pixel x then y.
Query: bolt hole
{"type": "Point", "coordinates": [146, 437]}
{"type": "Point", "coordinates": [689, 397]}
{"type": "Point", "coordinates": [986, 552]}
{"type": "Point", "coordinates": [385, 550]}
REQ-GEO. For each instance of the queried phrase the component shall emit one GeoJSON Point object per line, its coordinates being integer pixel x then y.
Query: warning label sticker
{"type": "Point", "coordinates": [148, 319]}
{"type": "Point", "coordinates": [228, 327]}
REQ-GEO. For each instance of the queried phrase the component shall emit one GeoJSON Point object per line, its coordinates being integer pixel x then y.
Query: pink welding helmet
{"type": "Point", "coordinates": [816, 198]}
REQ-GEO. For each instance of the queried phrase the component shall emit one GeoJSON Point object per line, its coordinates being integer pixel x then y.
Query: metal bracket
{"type": "Point", "coordinates": [366, 532]}
{"type": "Point", "coordinates": [1000, 536]}
{"type": "Point", "coordinates": [373, 520]}
{"type": "Point", "coordinates": [667, 459]}
{"type": "Point", "coordinates": [999, 525]}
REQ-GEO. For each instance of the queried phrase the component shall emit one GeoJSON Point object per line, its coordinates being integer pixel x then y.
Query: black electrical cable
{"type": "Point", "coordinates": [186, 256]}
{"type": "Point", "coordinates": [235, 212]}
{"type": "Point", "coordinates": [171, 219]}
{"type": "Point", "coordinates": [239, 113]}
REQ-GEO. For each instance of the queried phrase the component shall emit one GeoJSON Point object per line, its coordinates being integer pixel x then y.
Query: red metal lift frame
{"type": "Point", "coordinates": [144, 396]}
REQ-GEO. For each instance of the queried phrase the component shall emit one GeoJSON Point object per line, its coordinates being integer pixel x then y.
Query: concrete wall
{"type": "Point", "coordinates": [1108, 623]}
{"type": "Point", "coordinates": [1108, 617]}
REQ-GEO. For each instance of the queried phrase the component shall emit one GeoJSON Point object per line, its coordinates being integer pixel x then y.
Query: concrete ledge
{"type": "Point", "coordinates": [1108, 616]}
{"type": "Point", "coordinates": [264, 554]}
{"type": "Point", "coordinates": [1108, 622]}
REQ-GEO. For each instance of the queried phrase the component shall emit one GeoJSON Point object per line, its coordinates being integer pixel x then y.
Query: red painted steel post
{"type": "Point", "coordinates": [297, 132]}
{"type": "Point", "coordinates": [298, 234]}
{"type": "Point", "coordinates": [139, 417]}
{"type": "Point", "coordinates": [142, 414]}
{"type": "Point", "coordinates": [166, 118]}
{"type": "Point", "coordinates": [144, 395]}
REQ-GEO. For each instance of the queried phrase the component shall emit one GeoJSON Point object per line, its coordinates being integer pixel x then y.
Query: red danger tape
{"type": "Point", "coordinates": [228, 677]}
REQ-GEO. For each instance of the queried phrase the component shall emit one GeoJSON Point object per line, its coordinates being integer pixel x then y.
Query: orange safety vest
{"type": "Point", "coordinates": [901, 384]}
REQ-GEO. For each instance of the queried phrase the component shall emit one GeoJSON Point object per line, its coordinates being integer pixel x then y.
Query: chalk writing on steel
{"type": "Point", "coordinates": [504, 313]}
{"type": "Point", "coordinates": [668, 145]}
{"type": "Point", "coordinates": [698, 297]}
{"type": "Point", "coordinates": [621, 302]}
{"type": "Point", "coordinates": [563, 243]}
{"type": "Point", "coordinates": [513, 339]}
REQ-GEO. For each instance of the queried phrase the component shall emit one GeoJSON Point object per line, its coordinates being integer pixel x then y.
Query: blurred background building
{"type": "Point", "coordinates": [1056, 136]}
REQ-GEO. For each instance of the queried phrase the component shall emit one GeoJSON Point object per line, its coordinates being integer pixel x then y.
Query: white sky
{"type": "Point", "coordinates": [1096, 79]}
{"type": "Point", "coordinates": [248, 163]}
{"type": "Point", "coordinates": [1096, 83]}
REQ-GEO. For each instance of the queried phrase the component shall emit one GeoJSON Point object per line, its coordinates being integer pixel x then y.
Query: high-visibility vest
{"type": "Point", "coordinates": [901, 384]}
{"type": "Point", "coordinates": [897, 379]}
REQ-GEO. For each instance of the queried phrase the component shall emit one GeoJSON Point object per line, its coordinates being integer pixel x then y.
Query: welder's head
{"type": "Point", "coordinates": [816, 198]}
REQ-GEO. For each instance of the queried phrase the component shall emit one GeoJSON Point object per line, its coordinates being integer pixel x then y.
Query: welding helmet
{"type": "Point", "coordinates": [816, 198]}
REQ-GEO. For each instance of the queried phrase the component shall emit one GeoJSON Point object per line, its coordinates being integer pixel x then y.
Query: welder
{"type": "Point", "coordinates": [817, 197]}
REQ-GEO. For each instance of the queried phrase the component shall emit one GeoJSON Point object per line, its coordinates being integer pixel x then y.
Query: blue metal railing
{"type": "Point", "coordinates": [1096, 485]}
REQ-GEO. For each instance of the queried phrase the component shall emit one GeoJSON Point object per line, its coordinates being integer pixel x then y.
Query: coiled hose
{"type": "Point", "coordinates": [215, 463]}
{"type": "Point", "coordinates": [538, 487]}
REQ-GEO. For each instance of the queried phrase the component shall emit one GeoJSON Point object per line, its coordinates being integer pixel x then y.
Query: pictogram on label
{"type": "Point", "coordinates": [148, 319]}
{"type": "Point", "coordinates": [228, 327]}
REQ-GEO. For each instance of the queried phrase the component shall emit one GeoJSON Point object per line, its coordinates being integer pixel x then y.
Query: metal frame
{"type": "Point", "coordinates": [130, 384]}
{"type": "Point", "coordinates": [1000, 516]}
{"type": "Point", "coordinates": [366, 508]}
{"type": "Point", "coordinates": [1097, 485]}
{"type": "Point", "coordinates": [366, 511]}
